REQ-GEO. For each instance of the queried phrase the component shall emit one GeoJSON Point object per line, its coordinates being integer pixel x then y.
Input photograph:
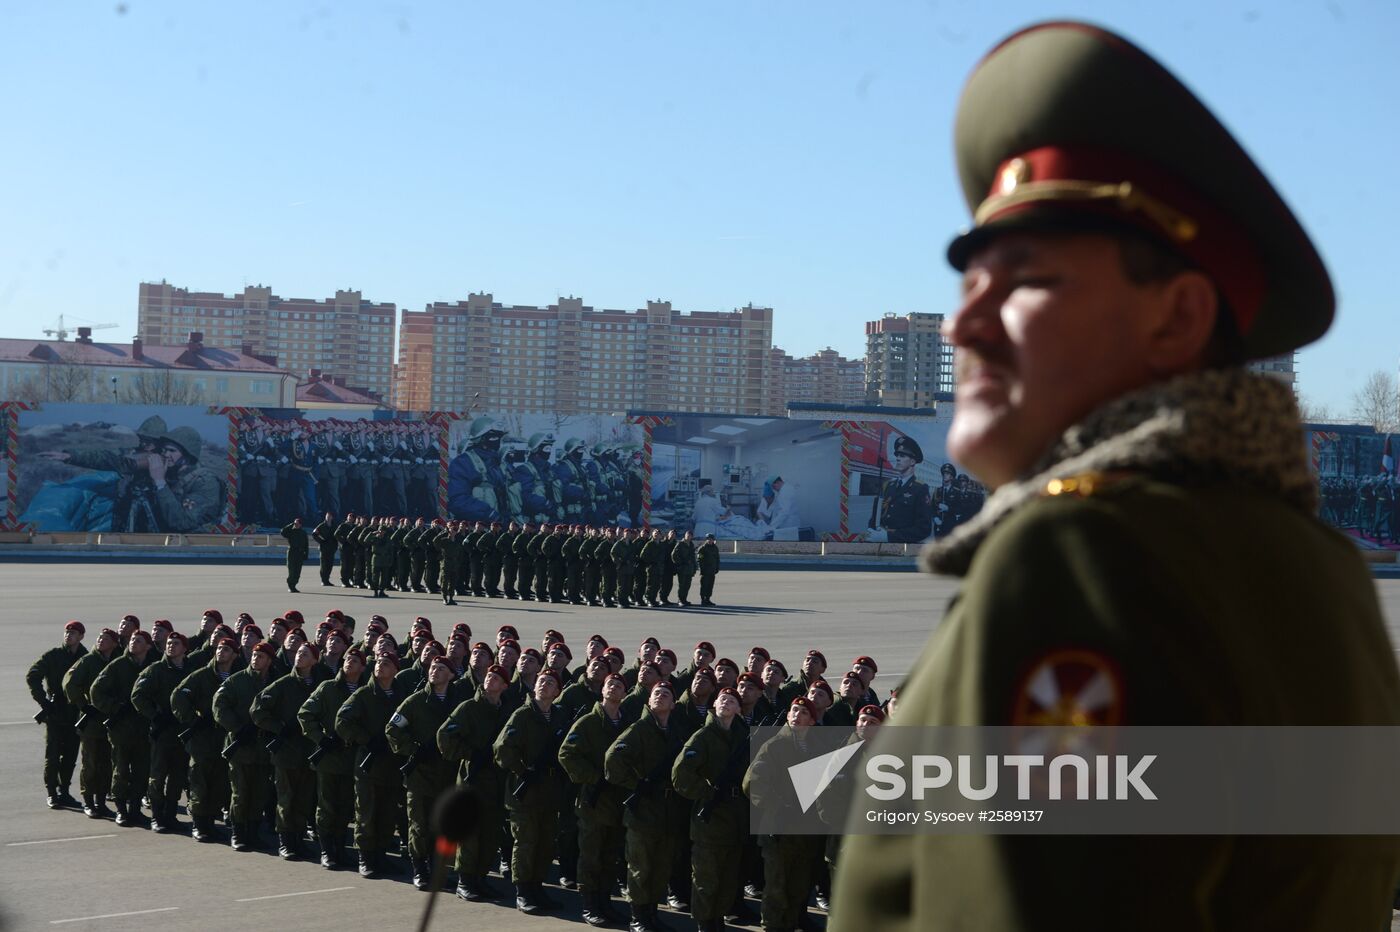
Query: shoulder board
{"type": "Point", "coordinates": [1084, 485]}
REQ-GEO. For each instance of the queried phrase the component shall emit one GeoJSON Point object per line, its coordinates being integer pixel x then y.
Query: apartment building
{"type": "Point", "coordinates": [345, 334]}
{"type": "Point", "coordinates": [825, 377]}
{"type": "Point", "coordinates": [907, 361]}
{"type": "Point", "coordinates": [571, 358]}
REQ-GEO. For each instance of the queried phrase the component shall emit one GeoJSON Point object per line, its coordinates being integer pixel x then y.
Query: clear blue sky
{"type": "Point", "coordinates": [792, 154]}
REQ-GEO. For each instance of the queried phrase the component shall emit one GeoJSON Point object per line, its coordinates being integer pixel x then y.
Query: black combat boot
{"type": "Point", "coordinates": [593, 910]}
{"type": "Point", "coordinates": [236, 838]}
{"type": "Point", "coordinates": [100, 807]}
{"type": "Point", "coordinates": [422, 875]}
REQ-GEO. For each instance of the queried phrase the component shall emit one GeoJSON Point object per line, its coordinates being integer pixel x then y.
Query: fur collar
{"type": "Point", "coordinates": [1220, 425]}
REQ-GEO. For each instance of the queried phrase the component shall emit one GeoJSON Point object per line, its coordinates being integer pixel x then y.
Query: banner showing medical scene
{"type": "Point", "coordinates": [571, 469]}
{"type": "Point", "coordinates": [756, 478]}
{"type": "Point", "coordinates": [119, 468]}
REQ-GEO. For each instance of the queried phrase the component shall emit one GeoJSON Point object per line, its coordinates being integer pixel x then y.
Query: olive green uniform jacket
{"type": "Point", "coordinates": [192, 704]}
{"type": "Point", "coordinates": [233, 707]}
{"type": "Point", "coordinates": [317, 719]}
{"type": "Point", "coordinates": [1187, 563]}
{"type": "Point", "coordinates": [582, 755]}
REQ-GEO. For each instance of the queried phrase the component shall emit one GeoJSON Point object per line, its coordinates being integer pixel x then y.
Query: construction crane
{"type": "Point", "coordinates": [61, 331]}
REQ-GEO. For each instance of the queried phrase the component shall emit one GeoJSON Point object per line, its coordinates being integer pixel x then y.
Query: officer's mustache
{"type": "Point", "coordinates": [970, 359]}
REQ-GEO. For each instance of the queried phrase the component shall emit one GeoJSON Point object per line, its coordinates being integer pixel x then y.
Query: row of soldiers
{"type": "Point", "coordinates": [636, 773]}
{"type": "Point", "coordinates": [582, 565]}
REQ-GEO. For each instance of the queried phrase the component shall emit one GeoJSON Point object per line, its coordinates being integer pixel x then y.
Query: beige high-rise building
{"type": "Point", "coordinates": [347, 335]}
{"type": "Point", "coordinates": [574, 359]}
{"type": "Point", "coordinates": [825, 377]}
{"type": "Point", "coordinates": [907, 360]}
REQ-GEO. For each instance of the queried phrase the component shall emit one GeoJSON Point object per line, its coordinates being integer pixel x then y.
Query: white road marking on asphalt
{"type": "Point", "coordinates": [139, 912]}
{"type": "Point", "coordinates": [28, 722]}
{"type": "Point", "coordinates": [54, 841]}
{"type": "Point", "coordinates": [278, 896]}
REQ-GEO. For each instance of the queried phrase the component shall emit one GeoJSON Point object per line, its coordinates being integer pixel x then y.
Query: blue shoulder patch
{"type": "Point", "coordinates": [574, 738]}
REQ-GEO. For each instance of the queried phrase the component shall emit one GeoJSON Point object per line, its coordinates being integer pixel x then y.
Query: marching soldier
{"type": "Point", "coordinates": [170, 761]}
{"type": "Point", "coordinates": [249, 766]}
{"type": "Point", "coordinates": [45, 681]}
{"type": "Point", "coordinates": [331, 759]}
{"type": "Point", "coordinates": [298, 548]}
{"type": "Point", "coordinates": [95, 777]}
{"type": "Point", "coordinates": [326, 543]}
{"type": "Point", "coordinates": [640, 762]}
{"type": "Point", "coordinates": [127, 733]}
{"type": "Point", "coordinates": [192, 704]}
{"type": "Point", "coordinates": [467, 737]}
{"type": "Point", "coordinates": [599, 803]}
{"type": "Point", "coordinates": [708, 559]}
{"type": "Point", "coordinates": [683, 559]}
{"type": "Point", "coordinates": [450, 551]}
{"type": "Point", "coordinates": [524, 562]}
{"type": "Point", "coordinates": [621, 553]}
{"type": "Point", "coordinates": [412, 733]}
{"type": "Point", "coordinates": [791, 861]}
{"type": "Point", "coordinates": [527, 750]}
{"type": "Point", "coordinates": [274, 712]}
{"type": "Point", "coordinates": [360, 723]}
{"type": "Point", "coordinates": [709, 772]}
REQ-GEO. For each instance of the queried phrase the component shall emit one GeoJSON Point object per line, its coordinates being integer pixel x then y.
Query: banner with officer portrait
{"type": "Point", "coordinates": [571, 469]}
{"type": "Point", "coordinates": [119, 468]}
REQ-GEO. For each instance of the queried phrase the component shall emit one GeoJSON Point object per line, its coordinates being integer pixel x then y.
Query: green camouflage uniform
{"type": "Point", "coordinates": [45, 681]}
{"type": "Point", "coordinates": [249, 766]}
{"type": "Point", "coordinates": [95, 777]}
{"type": "Point", "coordinates": [275, 711]}
{"type": "Point", "coordinates": [527, 750]}
{"type": "Point", "coordinates": [335, 789]}
{"type": "Point", "coordinates": [126, 731]}
{"type": "Point", "coordinates": [412, 733]}
{"type": "Point", "coordinates": [192, 704]}
{"type": "Point", "coordinates": [170, 762]}
{"type": "Point", "coordinates": [360, 722]}
{"type": "Point", "coordinates": [467, 738]}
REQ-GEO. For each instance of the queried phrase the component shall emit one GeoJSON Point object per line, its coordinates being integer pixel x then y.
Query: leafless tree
{"type": "Point", "coordinates": [161, 387]}
{"type": "Point", "coordinates": [57, 382]}
{"type": "Point", "coordinates": [1313, 412]}
{"type": "Point", "coordinates": [1377, 402]}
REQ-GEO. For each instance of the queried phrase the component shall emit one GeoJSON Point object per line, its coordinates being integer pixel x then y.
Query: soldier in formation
{"type": "Point", "coordinates": [642, 784]}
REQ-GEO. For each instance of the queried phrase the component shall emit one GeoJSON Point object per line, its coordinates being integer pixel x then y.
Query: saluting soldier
{"type": "Point", "coordinates": [640, 762]}
{"type": "Point", "coordinates": [126, 731]}
{"type": "Point", "coordinates": [467, 737]}
{"type": "Point", "coordinates": [599, 803]}
{"type": "Point", "coordinates": [170, 761]}
{"type": "Point", "coordinates": [450, 551]}
{"type": "Point", "coordinates": [332, 759]}
{"type": "Point", "coordinates": [527, 750]}
{"type": "Point", "coordinates": [249, 765]}
{"type": "Point", "coordinates": [192, 704]}
{"type": "Point", "coordinates": [298, 548]}
{"type": "Point", "coordinates": [360, 723]}
{"type": "Point", "coordinates": [45, 681]}
{"type": "Point", "coordinates": [95, 775]}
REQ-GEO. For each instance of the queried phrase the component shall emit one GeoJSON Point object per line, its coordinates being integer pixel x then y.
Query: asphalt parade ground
{"type": "Point", "coordinates": [61, 870]}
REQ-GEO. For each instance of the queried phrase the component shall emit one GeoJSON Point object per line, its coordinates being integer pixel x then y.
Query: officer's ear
{"type": "Point", "coordinates": [1181, 321]}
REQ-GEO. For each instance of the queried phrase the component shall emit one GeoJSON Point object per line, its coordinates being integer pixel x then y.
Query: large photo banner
{"type": "Point", "coordinates": [571, 469]}
{"type": "Point", "coordinates": [120, 468]}
{"type": "Point", "coordinates": [127, 468]}
{"type": "Point", "coordinates": [1359, 492]}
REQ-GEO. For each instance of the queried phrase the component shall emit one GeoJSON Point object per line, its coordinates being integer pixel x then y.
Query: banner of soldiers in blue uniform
{"type": "Point", "coordinates": [547, 468]}
{"type": "Point", "coordinates": [188, 469]}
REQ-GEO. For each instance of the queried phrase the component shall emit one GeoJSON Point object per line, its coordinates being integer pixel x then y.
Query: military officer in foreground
{"type": "Point", "coordinates": [58, 715]}
{"type": "Point", "coordinates": [1152, 523]}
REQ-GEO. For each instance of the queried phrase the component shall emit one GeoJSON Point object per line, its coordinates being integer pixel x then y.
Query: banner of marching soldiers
{"type": "Point", "coordinates": [628, 774]}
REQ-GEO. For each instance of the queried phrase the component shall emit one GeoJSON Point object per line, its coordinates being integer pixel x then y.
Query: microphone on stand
{"type": "Point", "coordinates": [453, 821]}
